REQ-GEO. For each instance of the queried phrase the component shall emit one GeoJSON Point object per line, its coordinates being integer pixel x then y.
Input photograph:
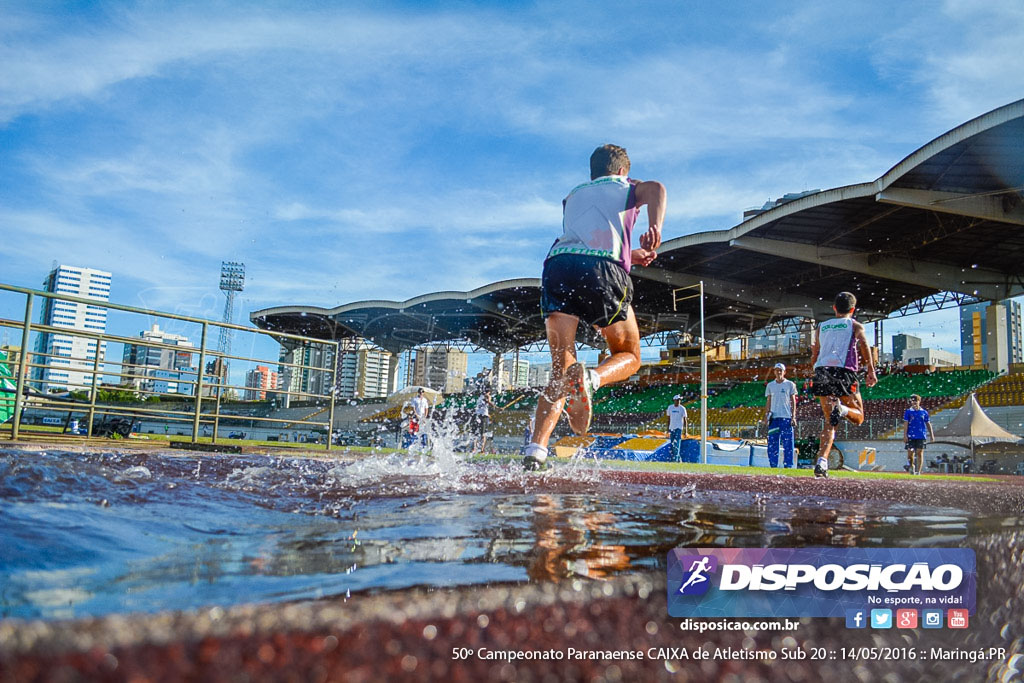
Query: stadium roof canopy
{"type": "Point", "coordinates": [948, 218]}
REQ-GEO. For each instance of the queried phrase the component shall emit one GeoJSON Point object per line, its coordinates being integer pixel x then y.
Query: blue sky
{"type": "Point", "coordinates": [348, 151]}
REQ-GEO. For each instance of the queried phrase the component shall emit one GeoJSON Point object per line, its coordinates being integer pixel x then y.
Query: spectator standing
{"type": "Point", "coordinates": [780, 416]}
{"type": "Point", "coordinates": [421, 413]}
{"type": "Point", "coordinates": [678, 424]}
{"type": "Point", "coordinates": [482, 418]}
{"type": "Point", "coordinates": [917, 428]}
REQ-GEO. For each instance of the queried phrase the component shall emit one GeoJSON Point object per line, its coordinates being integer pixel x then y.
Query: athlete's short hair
{"type": "Point", "coordinates": [845, 302]}
{"type": "Point", "coordinates": [607, 160]}
{"type": "Point", "coordinates": [915, 397]}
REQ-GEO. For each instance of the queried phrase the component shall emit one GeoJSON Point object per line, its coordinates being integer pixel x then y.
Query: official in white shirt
{"type": "Point", "coordinates": [677, 426]}
{"type": "Point", "coordinates": [780, 416]}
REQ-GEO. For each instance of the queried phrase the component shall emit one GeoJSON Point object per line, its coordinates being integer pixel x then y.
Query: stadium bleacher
{"type": "Point", "coordinates": [736, 400]}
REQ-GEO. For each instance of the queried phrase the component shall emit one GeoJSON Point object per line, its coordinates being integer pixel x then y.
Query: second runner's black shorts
{"type": "Point", "coordinates": [596, 290]}
{"type": "Point", "coordinates": [834, 382]}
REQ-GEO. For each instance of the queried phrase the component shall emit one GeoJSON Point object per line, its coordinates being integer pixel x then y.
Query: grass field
{"type": "Point", "coordinates": [54, 435]}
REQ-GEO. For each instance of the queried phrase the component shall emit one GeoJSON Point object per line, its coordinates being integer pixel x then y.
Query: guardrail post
{"type": "Point", "coordinates": [26, 334]}
{"type": "Point", "coordinates": [216, 420]}
{"type": "Point", "coordinates": [334, 384]}
{"type": "Point", "coordinates": [199, 384]}
{"type": "Point", "coordinates": [92, 397]}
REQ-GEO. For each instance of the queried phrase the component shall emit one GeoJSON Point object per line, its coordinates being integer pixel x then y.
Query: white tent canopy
{"type": "Point", "coordinates": [408, 393]}
{"type": "Point", "coordinates": [971, 427]}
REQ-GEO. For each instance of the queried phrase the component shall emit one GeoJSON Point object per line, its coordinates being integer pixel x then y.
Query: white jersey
{"type": "Point", "coordinates": [482, 407]}
{"type": "Point", "coordinates": [781, 394]}
{"type": "Point", "coordinates": [676, 415]}
{"type": "Point", "coordinates": [420, 407]}
{"type": "Point", "coordinates": [836, 347]}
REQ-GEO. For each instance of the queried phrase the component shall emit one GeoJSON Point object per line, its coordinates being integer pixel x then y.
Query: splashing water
{"type": "Point", "coordinates": [92, 533]}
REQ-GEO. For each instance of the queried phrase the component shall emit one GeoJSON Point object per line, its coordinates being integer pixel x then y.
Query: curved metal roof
{"type": "Point", "coordinates": [945, 218]}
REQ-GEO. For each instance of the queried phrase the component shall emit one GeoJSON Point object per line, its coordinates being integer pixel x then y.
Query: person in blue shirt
{"type": "Point", "coordinates": [917, 428]}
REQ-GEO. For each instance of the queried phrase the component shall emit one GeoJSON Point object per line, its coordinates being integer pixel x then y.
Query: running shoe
{"type": "Point", "coordinates": [839, 411]}
{"type": "Point", "coordinates": [536, 459]}
{"type": "Point", "coordinates": [579, 404]}
{"type": "Point", "coordinates": [820, 472]}
{"type": "Point", "coordinates": [532, 464]}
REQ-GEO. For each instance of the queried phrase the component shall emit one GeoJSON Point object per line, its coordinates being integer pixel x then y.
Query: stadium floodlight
{"type": "Point", "coordinates": [232, 279]}
{"type": "Point", "coordinates": [232, 276]}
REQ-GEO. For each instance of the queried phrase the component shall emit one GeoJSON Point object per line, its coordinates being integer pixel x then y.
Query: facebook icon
{"type": "Point", "coordinates": [856, 618]}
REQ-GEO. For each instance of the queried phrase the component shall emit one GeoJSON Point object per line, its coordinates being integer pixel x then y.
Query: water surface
{"type": "Point", "coordinates": [86, 534]}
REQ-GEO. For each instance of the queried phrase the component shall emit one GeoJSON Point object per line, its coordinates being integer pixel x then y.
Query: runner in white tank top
{"type": "Point", "coordinates": [835, 355]}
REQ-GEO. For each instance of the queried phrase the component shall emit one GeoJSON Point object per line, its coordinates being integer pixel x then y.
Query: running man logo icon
{"type": "Point", "coordinates": [698, 567]}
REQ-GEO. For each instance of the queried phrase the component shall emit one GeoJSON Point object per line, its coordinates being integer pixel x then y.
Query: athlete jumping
{"type": "Point", "coordinates": [586, 278]}
{"type": "Point", "coordinates": [834, 356]}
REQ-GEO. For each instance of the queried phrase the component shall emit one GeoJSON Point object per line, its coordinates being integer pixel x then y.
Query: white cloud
{"type": "Point", "coordinates": [351, 154]}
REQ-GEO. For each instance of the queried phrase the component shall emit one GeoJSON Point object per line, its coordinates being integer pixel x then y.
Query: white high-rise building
{"type": "Point", "coordinates": [519, 375]}
{"type": "Point", "coordinates": [140, 361]}
{"type": "Point", "coordinates": [70, 359]}
{"type": "Point", "coordinates": [539, 375]}
{"type": "Point", "coordinates": [365, 370]}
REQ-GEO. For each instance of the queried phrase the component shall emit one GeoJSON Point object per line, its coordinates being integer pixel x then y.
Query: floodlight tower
{"type": "Point", "coordinates": [232, 279]}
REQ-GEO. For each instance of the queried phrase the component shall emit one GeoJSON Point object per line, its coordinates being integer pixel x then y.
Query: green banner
{"type": "Point", "coordinates": [8, 388]}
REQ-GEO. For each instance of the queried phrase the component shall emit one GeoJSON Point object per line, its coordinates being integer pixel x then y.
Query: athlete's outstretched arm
{"type": "Point", "coordinates": [651, 193]}
{"type": "Point", "coordinates": [865, 352]}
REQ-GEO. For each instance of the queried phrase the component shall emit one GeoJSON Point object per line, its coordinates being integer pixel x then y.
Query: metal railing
{"type": "Point", "coordinates": [39, 363]}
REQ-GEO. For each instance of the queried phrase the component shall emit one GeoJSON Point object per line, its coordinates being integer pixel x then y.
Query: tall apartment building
{"type": "Point", "coordinates": [990, 334]}
{"type": "Point", "coordinates": [519, 374]}
{"type": "Point", "coordinates": [440, 368]}
{"type": "Point", "coordinates": [70, 358]}
{"type": "Point", "coordinates": [141, 362]}
{"type": "Point", "coordinates": [258, 382]}
{"type": "Point", "coordinates": [539, 375]}
{"type": "Point", "coordinates": [365, 370]}
{"type": "Point", "coordinates": [314, 378]}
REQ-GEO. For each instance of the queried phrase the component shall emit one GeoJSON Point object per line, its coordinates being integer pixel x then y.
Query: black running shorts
{"type": "Point", "coordinates": [915, 444]}
{"type": "Point", "coordinates": [834, 382]}
{"type": "Point", "coordinates": [481, 424]}
{"type": "Point", "coordinates": [594, 289]}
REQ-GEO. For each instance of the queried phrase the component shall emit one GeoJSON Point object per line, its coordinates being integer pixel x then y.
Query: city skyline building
{"type": "Point", "coordinates": [315, 375]}
{"type": "Point", "coordinates": [68, 360]}
{"type": "Point", "coordinates": [151, 368]}
{"type": "Point", "coordinates": [539, 375]}
{"type": "Point", "coordinates": [519, 373]}
{"type": "Point", "coordinates": [365, 370]}
{"type": "Point", "coordinates": [903, 342]}
{"type": "Point", "coordinates": [990, 334]}
{"type": "Point", "coordinates": [441, 368]}
{"type": "Point", "coordinates": [260, 381]}
{"type": "Point", "coordinates": [923, 355]}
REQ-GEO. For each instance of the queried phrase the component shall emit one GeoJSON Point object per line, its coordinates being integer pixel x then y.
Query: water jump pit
{"type": "Point", "coordinates": [153, 565]}
{"type": "Point", "coordinates": [656, 447]}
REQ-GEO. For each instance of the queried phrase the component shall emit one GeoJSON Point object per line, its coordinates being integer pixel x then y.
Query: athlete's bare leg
{"type": "Point", "coordinates": [561, 332]}
{"type": "Point", "coordinates": [828, 432]}
{"type": "Point", "coordinates": [624, 346]}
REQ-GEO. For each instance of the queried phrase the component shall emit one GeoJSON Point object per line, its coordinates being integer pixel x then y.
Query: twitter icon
{"type": "Point", "coordinates": [881, 618]}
